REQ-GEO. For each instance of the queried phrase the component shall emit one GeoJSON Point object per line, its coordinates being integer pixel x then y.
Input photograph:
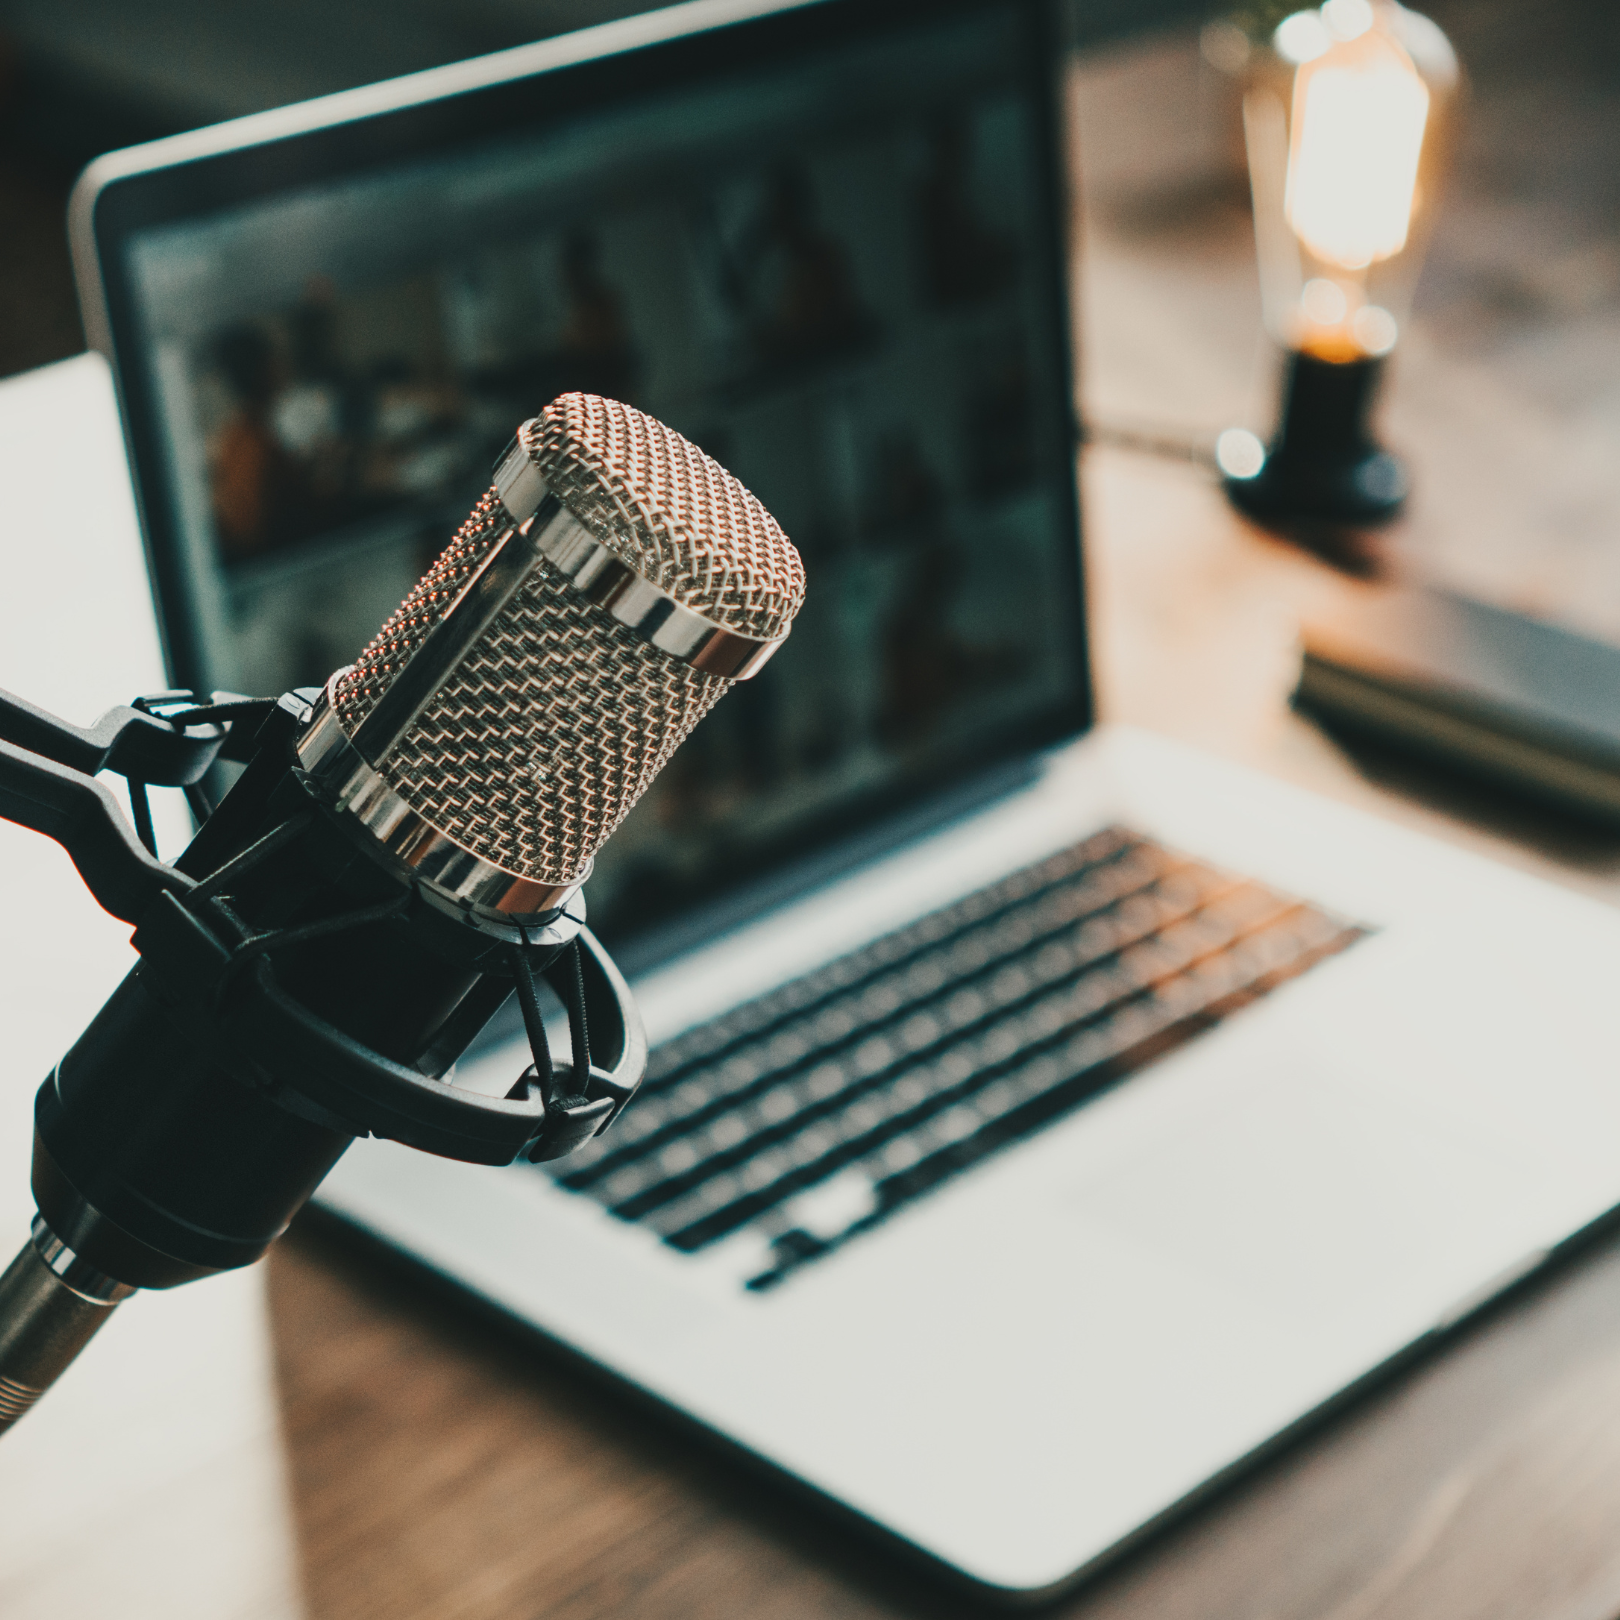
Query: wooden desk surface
{"type": "Point", "coordinates": [442, 1467]}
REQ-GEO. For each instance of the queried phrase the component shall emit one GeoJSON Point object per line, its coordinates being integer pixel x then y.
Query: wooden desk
{"type": "Point", "coordinates": [442, 1467]}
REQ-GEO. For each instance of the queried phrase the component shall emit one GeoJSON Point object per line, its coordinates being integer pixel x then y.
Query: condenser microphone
{"type": "Point", "coordinates": [403, 852]}
{"type": "Point", "coordinates": [601, 597]}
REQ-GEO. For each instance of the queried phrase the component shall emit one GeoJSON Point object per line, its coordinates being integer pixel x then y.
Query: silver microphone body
{"type": "Point", "coordinates": [601, 598]}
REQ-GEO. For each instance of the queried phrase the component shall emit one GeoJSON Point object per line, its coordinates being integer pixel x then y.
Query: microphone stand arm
{"type": "Point", "coordinates": [138, 740]}
{"type": "Point", "coordinates": [81, 815]}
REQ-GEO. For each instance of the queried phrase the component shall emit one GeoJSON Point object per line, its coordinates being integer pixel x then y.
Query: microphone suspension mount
{"type": "Point", "coordinates": [301, 983]}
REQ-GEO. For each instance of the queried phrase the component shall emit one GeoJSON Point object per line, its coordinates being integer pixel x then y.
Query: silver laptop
{"type": "Point", "coordinates": [1042, 1119]}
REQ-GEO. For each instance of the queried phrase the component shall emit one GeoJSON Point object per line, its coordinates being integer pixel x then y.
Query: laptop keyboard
{"type": "Point", "coordinates": [809, 1114]}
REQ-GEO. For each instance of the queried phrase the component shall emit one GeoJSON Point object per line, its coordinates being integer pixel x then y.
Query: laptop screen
{"type": "Point", "coordinates": [838, 272]}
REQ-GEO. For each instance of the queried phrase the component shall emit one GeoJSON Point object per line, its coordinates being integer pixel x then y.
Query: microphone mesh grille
{"type": "Point", "coordinates": [545, 735]}
{"type": "Point", "coordinates": [407, 627]}
{"type": "Point", "coordinates": [535, 746]}
{"type": "Point", "coordinates": [676, 516]}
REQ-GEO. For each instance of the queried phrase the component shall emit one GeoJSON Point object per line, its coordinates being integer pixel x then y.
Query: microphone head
{"type": "Point", "coordinates": [598, 601]}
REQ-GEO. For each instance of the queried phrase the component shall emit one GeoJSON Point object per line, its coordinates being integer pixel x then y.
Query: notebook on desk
{"type": "Point", "coordinates": [1042, 1119]}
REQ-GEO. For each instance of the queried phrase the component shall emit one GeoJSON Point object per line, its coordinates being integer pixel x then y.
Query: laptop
{"type": "Point", "coordinates": [1042, 1119]}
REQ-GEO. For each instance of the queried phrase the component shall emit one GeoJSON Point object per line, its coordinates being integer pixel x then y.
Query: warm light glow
{"type": "Point", "coordinates": [1360, 110]}
{"type": "Point", "coordinates": [1239, 453]}
{"type": "Point", "coordinates": [1347, 19]}
{"type": "Point", "coordinates": [1374, 329]}
{"type": "Point", "coordinates": [1323, 302]}
{"type": "Point", "coordinates": [1302, 37]}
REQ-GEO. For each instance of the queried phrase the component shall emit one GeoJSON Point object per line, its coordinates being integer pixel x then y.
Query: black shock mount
{"type": "Point", "coordinates": [298, 986]}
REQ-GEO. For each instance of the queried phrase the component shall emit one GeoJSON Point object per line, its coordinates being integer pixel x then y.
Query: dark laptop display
{"type": "Point", "coordinates": [835, 276]}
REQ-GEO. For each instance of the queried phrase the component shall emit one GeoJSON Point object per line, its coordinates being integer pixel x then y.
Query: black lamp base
{"type": "Point", "coordinates": [1324, 469]}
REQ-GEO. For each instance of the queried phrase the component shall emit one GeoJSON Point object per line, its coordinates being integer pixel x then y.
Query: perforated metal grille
{"type": "Point", "coordinates": [408, 625]}
{"type": "Point", "coordinates": [674, 515]}
{"type": "Point", "coordinates": [536, 745]}
{"type": "Point", "coordinates": [547, 733]}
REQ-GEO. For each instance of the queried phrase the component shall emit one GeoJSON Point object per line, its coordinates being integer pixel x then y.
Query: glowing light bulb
{"type": "Point", "coordinates": [1359, 115]}
{"type": "Point", "coordinates": [1323, 302]}
{"type": "Point", "coordinates": [1346, 117]}
{"type": "Point", "coordinates": [1347, 19]}
{"type": "Point", "coordinates": [1302, 37]}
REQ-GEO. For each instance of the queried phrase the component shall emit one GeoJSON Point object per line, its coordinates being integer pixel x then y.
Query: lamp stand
{"type": "Point", "coordinates": [1324, 468]}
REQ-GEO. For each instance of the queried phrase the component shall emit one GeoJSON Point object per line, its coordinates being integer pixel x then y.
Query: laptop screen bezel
{"type": "Point", "coordinates": [524, 92]}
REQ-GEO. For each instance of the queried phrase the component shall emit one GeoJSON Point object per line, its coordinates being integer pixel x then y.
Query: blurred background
{"type": "Point", "coordinates": [88, 78]}
{"type": "Point", "coordinates": [1505, 395]}
{"type": "Point", "coordinates": [80, 80]}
